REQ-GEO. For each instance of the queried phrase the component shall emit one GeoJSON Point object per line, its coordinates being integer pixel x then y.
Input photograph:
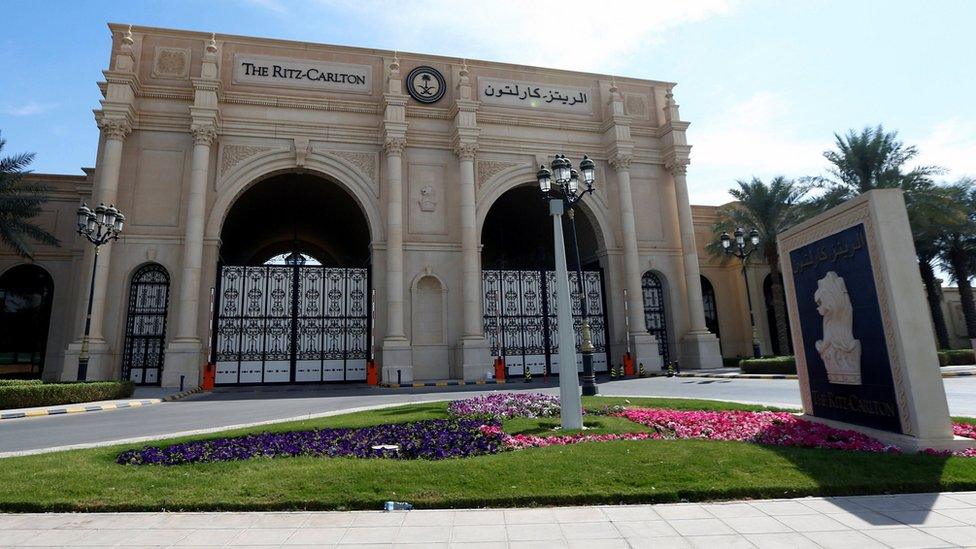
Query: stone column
{"type": "Point", "coordinates": [397, 356]}
{"type": "Point", "coordinates": [475, 353]}
{"type": "Point", "coordinates": [700, 347]}
{"type": "Point", "coordinates": [183, 352]}
{"type": "Point", "coordinates": [643, 344]}
{"type": "Point", "coordinates": [115, 132]}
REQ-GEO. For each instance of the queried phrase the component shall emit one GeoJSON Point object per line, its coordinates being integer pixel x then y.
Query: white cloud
{"type": "Point", "coordinates": [952, 145]}
{"type": "Point", "coordinates": [753, 137]}
{"type": "Point", "coordinates": [572, 34]}
{"type": "Point", "coordinates": [28, 109]}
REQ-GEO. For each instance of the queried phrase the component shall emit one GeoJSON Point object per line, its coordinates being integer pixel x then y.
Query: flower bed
{"type": "Point", "coordinates": [519, 442]}
{"type": "Point", "coordinates": [430, 439]}
{"type": "Point", "coordinates": [506, 406]}
{"type": "Point", "coordinates": [774, 428]}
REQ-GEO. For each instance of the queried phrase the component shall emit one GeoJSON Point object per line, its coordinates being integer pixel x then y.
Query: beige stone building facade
{"type": "Point", "coordinates": [406, 184]}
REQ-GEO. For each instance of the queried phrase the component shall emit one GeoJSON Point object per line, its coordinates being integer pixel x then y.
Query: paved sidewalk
{"type": "Point", "coordinates": [915, 520]}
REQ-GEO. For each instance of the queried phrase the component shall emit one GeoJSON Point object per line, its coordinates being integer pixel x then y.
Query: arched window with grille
{"type": "Point", "coordinates": [711, 307]}
{"type": "Point", "coordinates": [145, 325]}
{"type": "Point", "coordinates": [655, 312]}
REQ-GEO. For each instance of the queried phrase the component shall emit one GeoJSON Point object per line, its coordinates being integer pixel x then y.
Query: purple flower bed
{"type": "Point", "coordinates": [430, 439]}
{"type": "Point", "coordinates": [506, 406]}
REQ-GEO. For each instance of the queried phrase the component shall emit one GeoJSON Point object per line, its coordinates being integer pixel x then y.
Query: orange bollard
{"type": "Point", "coordinates": [628, 364]}
{"type": "Point", "coordinates": [372, 373]}
{"type": "Point", "coordinates": [209, 376]}
{"type": "Point", "coordinates": [499, 368]}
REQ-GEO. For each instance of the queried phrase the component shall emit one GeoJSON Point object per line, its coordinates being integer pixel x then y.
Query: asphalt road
{"type": "Point", "coordinates": [224, 409]}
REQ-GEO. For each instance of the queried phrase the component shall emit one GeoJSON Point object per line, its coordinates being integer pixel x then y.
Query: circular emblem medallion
{"type": "Point", "coordinates": [426, 85]}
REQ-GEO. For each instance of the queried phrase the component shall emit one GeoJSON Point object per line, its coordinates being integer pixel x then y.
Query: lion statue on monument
{"type": "Point", "coordinates": [841, 353]}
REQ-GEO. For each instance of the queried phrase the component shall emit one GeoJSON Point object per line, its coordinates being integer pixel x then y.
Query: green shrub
{"type": "Point", "coordinates": [769, 365]}
{"type": "Point", "coordinates": [731, 362]}
{"type": "Point", "coordinates": [7, 382]}
{"type": "Point", "coordinates": [957, 357]}
{"type": "Point", "coordinates": [52, 394]}
{"type": "Point", "coordinates": [943, 358]}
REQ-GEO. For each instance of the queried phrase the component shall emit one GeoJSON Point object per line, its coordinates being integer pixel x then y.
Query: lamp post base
{"type": "Point", "coordinates": [588, 378]}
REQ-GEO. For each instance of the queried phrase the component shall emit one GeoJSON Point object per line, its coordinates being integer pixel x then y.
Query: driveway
{"type": "Point", "coordinates": [244, 406]}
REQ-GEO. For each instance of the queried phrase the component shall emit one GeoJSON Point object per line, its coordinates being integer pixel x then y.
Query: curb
{"type": "Point", "coordinates": [958, 374]}
{"type": "Point", "coordinates": [453, 383]}
{"type": "Point", "coordinates": [79, 408]}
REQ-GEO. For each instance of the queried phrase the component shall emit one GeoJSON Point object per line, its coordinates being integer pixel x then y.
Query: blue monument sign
{"type": "Point", "coordinates": [864, 344]}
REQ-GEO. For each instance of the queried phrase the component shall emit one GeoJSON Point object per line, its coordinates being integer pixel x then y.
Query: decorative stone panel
{"type": "Point", "coordinates": [232, 155]}
{"type": "Point", "coordinates": [171, 63]}
{"type": "Point", "coordinates": [635, 106]}
{"type": "Point", "coordinates": [488, 168]}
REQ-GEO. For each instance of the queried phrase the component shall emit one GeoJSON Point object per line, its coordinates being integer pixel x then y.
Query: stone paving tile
{"type": "Point", "coordinates": [967, 516]}
{"type": "Point", "coordinates": [832, 505]}
{"type": "Point", "coordinates": [646, 529]}
{"type": "Point", "coordinates": [369, 535]}
{"type": "Point", "coordinates": [207, 520]}
{"type": "Point", "coordinates": [529, 516]}
{"type": "Point", "coordinates": [811, 523]}
{"type": "Point", "coordinates": [495, 532]}
{"type": "Point", "coordinates": [263, 536]}
{"type": "Point", "coordinates": [756, 525]}
{"type": "Point", "coordinates": [479, 545]}
{"type": "Point", "coordinates": [598, 544]}
{"type": "Point", "coordinates": [779, 540]}
{"type": "Point", "coordinates": [888, 503]}
{"type": "Point", "coordinates": [923, 518]}
{"type": "Point", "coordinates": [847, 539]}
{"type": "Point", "coordinates": [906, 537]}
{"type": "Point", "coordinates": [863, 520]}
{"type": "Point", "coordinates": [732, 510]}
{"type": "Point", "coordinates": [783, 507]}
{"type": "Point", "coordinates": [479, 517]}
{"type": "Point", "coordinates": [660, 543]}
{"type": "Point", "coordinates": [155, 536]}
{"type": "Point", "coordinates": [679, 511]}
{"type": "Point", "coordinates": [279, 520]}
{"type": "Point", "coordinates": [579, 514]}
{"type": "Point", "coordinates": [316, 536]}
{"type": "Point", "coordinates": [428, 518]}
{"type": "Point", "coordinates": [630, 513]}
{"type": "Point", "coordinates": [590, 530]}
{"type": "Point", "coordinates": [936, 501]}
{"type": "Point", "coordinates": [209, 537]}
{"type": "Point", "coordinates": [732, 541]}
{"type": "Point", "coordinates": [534, 532]}
{"type": "Point", "coordinates": [700, 527]}
{"type": "Point", "coordinates": [421, 534]}
{"type": "Point", "coordinates": [329, 520]}
{"type": "Point", "coordinates": [960, 535]}
{"type": "Point", "coordinates": [378, 518]}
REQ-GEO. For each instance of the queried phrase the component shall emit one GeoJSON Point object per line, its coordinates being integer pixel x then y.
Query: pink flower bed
{"type": "Point", "coordinates": [775, 428]}
{"type": "Point", "coordinates": [967, 430]}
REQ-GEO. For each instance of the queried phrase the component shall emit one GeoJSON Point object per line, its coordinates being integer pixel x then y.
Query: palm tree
{"type": "Point", "coordinates": [20, 202]}
{"type": "Point", "coordinates": [770, 209]}
{"type": "Point", "coordinates": [930, 213]}
{"type": "Point", "coordinates": [957, 247]}
{"type": "Point", "coordinates": [876, 159]}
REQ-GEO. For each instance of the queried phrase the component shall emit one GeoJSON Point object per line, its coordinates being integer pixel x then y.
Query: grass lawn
{"type": "Point", "coordinates": [602, 472]}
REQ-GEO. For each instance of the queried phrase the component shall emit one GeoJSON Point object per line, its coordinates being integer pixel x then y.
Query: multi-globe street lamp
{"type": "Point", "coordinates": [560, 186]}
{"type": "Point", "coordinates": [738, 247]}
{"type": "Point", "coordinates": [100, 226]}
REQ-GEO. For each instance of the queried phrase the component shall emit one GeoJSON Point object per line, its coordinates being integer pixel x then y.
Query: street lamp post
{"type": "Point", "coordinates": [743, 250]}
{"type": "Point", "coordinates": [100, 226]}
{"type": "Point", "coordinates": [563, 197]}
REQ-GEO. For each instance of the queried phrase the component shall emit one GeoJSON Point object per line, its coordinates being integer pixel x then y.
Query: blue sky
{"type": "Point", "coordinates": [764, 83]}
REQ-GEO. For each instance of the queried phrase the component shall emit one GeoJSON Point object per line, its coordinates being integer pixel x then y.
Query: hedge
{"type": "Point", "coordinates": [769, 365]}
{"type": "Point", "coordinates": [51, 394]}
{"type": "Point", "coordinates": [956, 357]}
{"type": "Point", "coordinates": [6, 382]}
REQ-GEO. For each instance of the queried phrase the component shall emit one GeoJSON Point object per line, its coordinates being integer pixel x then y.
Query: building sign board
{"type": "Point", "coordinates": [296, 73]}
{"type": "Point", "coordinates": [532, 95]}
{"type": "Point", "coordinates": [864, 345]}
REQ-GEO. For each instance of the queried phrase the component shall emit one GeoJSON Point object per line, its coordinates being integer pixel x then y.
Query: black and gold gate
{"type": "Point", "coordinates": [521, 322]}
{"type": "Point", "coordinates": [291, 324]}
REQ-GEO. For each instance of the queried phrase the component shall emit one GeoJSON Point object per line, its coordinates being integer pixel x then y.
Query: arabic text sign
{"type": "Point", "coordinates": [532, 95]}
{"type": "Point", "coordinates": [296, 73]}
{"type": "Point", "coordinates": [871, 401]}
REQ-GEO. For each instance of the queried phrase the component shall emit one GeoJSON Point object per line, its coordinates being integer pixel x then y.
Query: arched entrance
{"type": "Point", "coordinates": [711, 308]}
{"type": "Point", "coordinates": [655, 312]}
{"type": "Point", "coordinates": [293, 285]}
{"type": "Point", "coordinates": [26, 292]}
{"type": "Point", "coordinates": [519, 284]}
{"type": "Point", "coordinates": [145, 325]}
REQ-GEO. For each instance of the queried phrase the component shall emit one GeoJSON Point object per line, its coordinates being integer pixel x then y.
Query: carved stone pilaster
{"type": "Point", "coordinates": [394, 146]}
{"type": "Point", "coordinates": [621, 162]}
{"type": "Point", "coordinates": [465, 151]}
{"type": "Point", "coordinates": [115, 128]}
{"type": "Point", "coordinates": [204, 134]}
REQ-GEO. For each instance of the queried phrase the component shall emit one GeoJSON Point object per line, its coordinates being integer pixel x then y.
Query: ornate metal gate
{"type": "Point", "coordinates": [145, 325]}
{"type": "Point", "coordinates": [521, 319]}
{"type": "Point", "coordinates": [655, 315]}
{"type": "Point", "coordinates": [291, 324]}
